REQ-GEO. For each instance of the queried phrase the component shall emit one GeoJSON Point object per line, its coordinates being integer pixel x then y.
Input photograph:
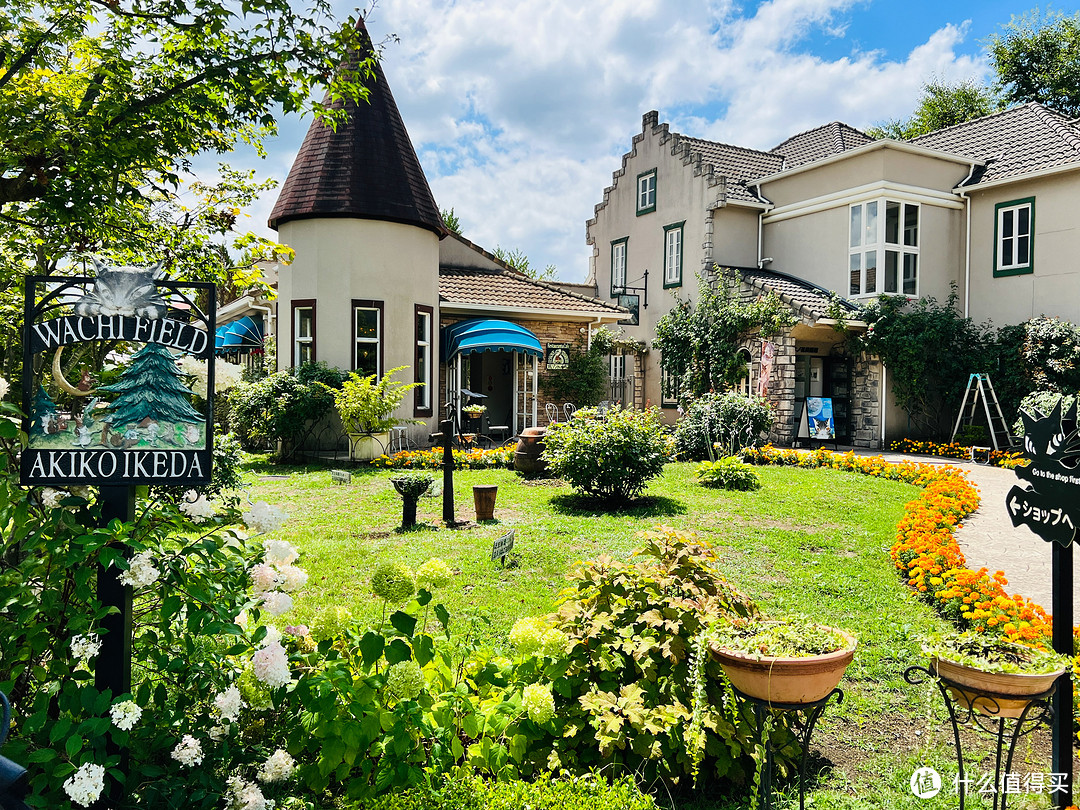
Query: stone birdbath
{"type": "Point", "coordinates": [411, 487]}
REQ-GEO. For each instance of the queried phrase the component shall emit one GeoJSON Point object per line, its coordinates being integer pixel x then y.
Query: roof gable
{"type": "Point", "coordinates": [366, 168]}
{"type": "Point", "coordinates": [820, 142]}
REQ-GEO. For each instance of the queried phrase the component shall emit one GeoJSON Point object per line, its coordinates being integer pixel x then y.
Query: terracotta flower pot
{"type": "Point", "coordinates": [484, 501]}
{"type": "Point", "coordinates": [1020, 687]}
{"type": "Point", "coordinates": [786, 680]}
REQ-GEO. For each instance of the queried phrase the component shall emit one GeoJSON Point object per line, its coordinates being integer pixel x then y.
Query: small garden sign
{"type": "Point", "coordinates": [502, 546]}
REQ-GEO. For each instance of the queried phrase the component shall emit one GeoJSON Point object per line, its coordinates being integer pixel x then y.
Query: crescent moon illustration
{"type": "Point", "coordinates": [61, 381]}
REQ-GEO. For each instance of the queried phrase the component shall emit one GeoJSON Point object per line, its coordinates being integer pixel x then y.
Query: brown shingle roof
{"type": "Point", "coordinates": [820, 142]}
{"type": "Point", "coordinates": [1011, 143]}
{"type": "Point", "coordinates": [367, 168]}
{"type": "Point", "coordinates": [508, 288]}
{"type": "Point", "coordinates": [737, 164]}
{"type": "Point", "coordinates": [806, 299]}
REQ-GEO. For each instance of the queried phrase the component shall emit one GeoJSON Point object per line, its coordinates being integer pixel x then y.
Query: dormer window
{"type": "Point", "coordinates": [646, 192]}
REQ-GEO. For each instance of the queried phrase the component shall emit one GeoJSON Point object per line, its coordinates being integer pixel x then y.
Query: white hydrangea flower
{"type": "Point", "coordinates": [85, 647]}
{"type": "Point", "coordinates": [188, 751]}
{"type": "Point", "coordinates": [227, 375]}
{"type": "Point", "coordinates": [141, 572]}
{"type": "Point", "coordinates": [51, 497]}
{"type": "Point", "coordinates": [229, 704]}
{"type": "Point", "coordinates": [86, 493]}
{"type": "Point", "coordinates": [277, 768]}
{"type": "Point", "coordinates": [538, 702]}
{"type": "Point", "coordinates": [85, 785]}
{"type": "Point", "coordinates": [264, 578]}
{"type": "Point", "coordinates": [527, 634]}
{"type": "Point", "coordinates": [125, 714]}
{"type": "Point", "coordinates": [264, 518]}
{"type": "Point", "coordinates": [5, 386]}
{"type": "Point", "coordinates": [405, 680]}
{"type": "Point", "coordinates": [196, 506]}
{"type": "Point", "coordinates": [279, 552]}
{"type": "Point", "coordinates": [277, 603]}
{"type": "Point", "coordinates": [292, 578]}
{"type": "Point", "coordinates": [273, 636]}
{"type": "Point", "coordinates": [219, 732]}
{"type": "Point", "coordinates": [245, 795]}
{"type": "Point", "coordinates": [241, 620]}
{"type": "Point", "coordinates": [434, 573]}
{"type": "Point", "coordinates": [271, 665]}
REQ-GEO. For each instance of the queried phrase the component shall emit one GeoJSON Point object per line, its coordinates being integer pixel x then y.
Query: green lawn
{"type": "Point", "coordinates": [809, 542]}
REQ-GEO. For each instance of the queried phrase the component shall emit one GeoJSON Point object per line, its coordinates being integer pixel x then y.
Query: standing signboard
{"type": "Point", "coordinates": [1050, 506]}
{"type": "Point", "coordinates": [145, 426]}
{"type": "Point", "coordinates": [819, 418]}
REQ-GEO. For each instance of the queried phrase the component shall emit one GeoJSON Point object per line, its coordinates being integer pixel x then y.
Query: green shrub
{"type": "Point", "coordinates": [546, 793]}
{"type": "Point", "coordinates": [727, 473]}
{"type": "Point", "coordinates": [730, 420]}
{"type": "Point", "coordinates": [284, 407]}
{"type": "Point", "coordinates": [1043, 402]}
{"type": "Point", "coordinates": [627, 689]}
{"type": "Point", "coordinates": [226, 477]}
{"type": "Point", "coordinates": [584, 381]}
{"type": "Point", "coordinates": [611, 458]}
{"type": "Point", "coordinates": [971, 434]}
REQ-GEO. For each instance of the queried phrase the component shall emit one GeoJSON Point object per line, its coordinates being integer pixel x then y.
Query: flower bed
{"type": "Point", "coordinates": [997, 458]}
{"type": "Point", "coordinates": [463, 459]}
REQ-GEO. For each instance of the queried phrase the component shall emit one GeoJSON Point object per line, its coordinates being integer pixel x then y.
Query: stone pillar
{"type": "Point", "coordinates": [866, 402]}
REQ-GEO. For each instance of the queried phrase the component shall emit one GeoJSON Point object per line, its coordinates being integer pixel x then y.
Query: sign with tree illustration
{"type": "Point", "coordinates": [133, 339]}
{"type": "Point", "coordinates": [1050, 505]}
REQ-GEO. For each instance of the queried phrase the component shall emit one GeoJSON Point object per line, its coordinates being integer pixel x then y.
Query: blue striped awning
{"type": "Point", "coordinates": [241, 335]}
{"type": "Point", "coordinates": [481, 335]}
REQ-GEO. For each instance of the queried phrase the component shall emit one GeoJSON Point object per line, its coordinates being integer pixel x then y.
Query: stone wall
{"type": "Point", "coordinates": [866, 402]}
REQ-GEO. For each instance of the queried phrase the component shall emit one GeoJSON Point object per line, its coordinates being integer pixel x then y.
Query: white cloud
{"type": "Point", "coordinates": [520, 110]}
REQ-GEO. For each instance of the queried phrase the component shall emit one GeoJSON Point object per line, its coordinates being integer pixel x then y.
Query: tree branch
{"type": "Point", "coordinates": [27, 55]}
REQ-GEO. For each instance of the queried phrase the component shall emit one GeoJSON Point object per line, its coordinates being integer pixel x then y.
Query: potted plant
{"type": "Point", "coordinates": [366, 406]}
{"type": "Point", "coordinates": [473, 414]}
{"type": "Point", "coordinates": [785, 662]}
{"type": "Point", "coordinates": [994, 676]}
{"type": "Point", "coordinates": [411, 487]}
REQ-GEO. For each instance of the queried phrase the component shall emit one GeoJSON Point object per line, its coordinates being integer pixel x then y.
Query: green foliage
{"type": "Point", "coordinates": [628, 688]}
{"type": "Point", "coordinates": [969, 435]}
{"type": "Point", "coordinates": [1037, 58]}
{"type": "Point", "coordinates": [412, 485]}
{"type": "Point", "coordinates": [728, 472]}
{"type": "Point", "coordinates": [793, 638]}
{"type": "Point", "coordinates": [730, 420]}
{"type": "Point", "coordinates": [611, 459]}
{"type": "Point", "coordinates": [279, 408]}
{"type": "Point", "coordinates": [366, 404]}
{"type": "Point", "coordinates": [1051, 354]}
{"type": "Point", "coordinates": [699, 343]}
{"type": "Point", "coordinates": [930, 350]}
{"type": "Point", "coordinates": [584, 381]}
{"type": "Point", "coordinates": [519, 261]}
{"type": "Point", "coordinates": [226, 479]}
{"type": "Point", "coordinates": [587, 792]}
{"type": "Point", "coordinates": [450, 220]}
{"type": "Point", "coordinates": [1041, 402]}
{"type": "Point", "coordinates": [941, 105]}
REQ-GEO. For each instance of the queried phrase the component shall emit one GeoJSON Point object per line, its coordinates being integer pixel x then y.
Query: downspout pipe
{"type": "Point", "coordinates": [967, 241]}
{"type": "Point", "coordinates": [761, 223]}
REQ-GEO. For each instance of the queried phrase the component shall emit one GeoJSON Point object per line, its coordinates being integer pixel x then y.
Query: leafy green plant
{"type": "Point", "coordinates": [731, 420]}
{"type": "Point", "coordinates": [280, 411]}
{"type": "Point", "coordinates": [727, 473]}
{"type": "Point", "coordinates": [792, 638]}
{"type": "Point", "coordinates": [366, 404]}
{"type": "Point", "coordinates": [611, 458]}
{"type": "Point", "coordinates": [584, 381]}
{"type": "Point", "coordinates": [971, 435]}
{"type": "Point", "coordinates": [626, 691]}
{"type": "Point", "coordinates": [994, 654]}
{"type": "Point", "coordinates": [1042, 402]}
{"type": "Point", "coordinates": [699, 342]}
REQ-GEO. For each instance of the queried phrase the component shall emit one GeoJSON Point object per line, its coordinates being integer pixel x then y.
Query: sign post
{"type": "Point", "coordinates": [1050, 507]}
{"type": "Point", "coordinates": [143, 428]}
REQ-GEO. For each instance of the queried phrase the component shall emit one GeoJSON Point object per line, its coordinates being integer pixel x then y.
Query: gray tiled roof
{"type": "Point", "coordinates": [808, 300]}
{"type": "Point", "coordinates": [820, 142]}
{"type": "Point", "coordinates": [509, 288]}
{"type": "Point", "coordinates": [737, 164]}
{"type": "Point", "coordinates": [1015, 142]}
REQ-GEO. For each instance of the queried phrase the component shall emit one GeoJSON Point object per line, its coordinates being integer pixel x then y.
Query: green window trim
{"type": "Point", "coordinates": [650, 199]}
{"type": "Point", "coordinates": [616, 290]}
{"type": "Point", "coordinates": [1024, 268]}
{"type": "Point", "coordinates": [677, 282]}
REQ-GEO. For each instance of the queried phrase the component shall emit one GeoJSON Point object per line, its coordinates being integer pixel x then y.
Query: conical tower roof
{"type": "Point", "coordinates": [366, 169]}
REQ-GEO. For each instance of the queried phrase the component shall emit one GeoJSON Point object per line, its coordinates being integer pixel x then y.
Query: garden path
{"type": "Point", "coordinates": [988, 538]}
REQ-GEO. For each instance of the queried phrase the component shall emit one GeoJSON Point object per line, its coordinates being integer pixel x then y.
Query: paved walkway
{"type": "Point", "coordinates": [988, 538]}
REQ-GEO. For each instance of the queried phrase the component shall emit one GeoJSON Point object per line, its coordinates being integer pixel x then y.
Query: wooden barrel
{"type": "Point", "coordinates": [484, 501]}
{"type": "Point", "coordinates": [529, 447]}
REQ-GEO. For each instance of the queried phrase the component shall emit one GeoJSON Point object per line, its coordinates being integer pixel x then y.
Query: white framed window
{"type": "Point", "coordinates": [646, 192]}
{"type": "Point", "coordinates": [367, 337]}
{"type": "Point", "coordinates": [618, 266]}
{"type": "Point", "coordinates": [673, 250]}
{"type": "Point", "coordinates": [883, 248]}
{"type": "Point", "coordinates": [1014, 227]}
{"type": "Point", "coordinates": [303, 329]}
{"type": "Point", "coordinates": [422, 361]}
{"type": "Point", "coordinates": [669, 389]}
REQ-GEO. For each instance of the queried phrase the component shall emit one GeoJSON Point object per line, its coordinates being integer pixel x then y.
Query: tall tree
{"type": "Point", "coordinates": [1037, 58]}
{"type": "Point", "coordinates": [941, 105]}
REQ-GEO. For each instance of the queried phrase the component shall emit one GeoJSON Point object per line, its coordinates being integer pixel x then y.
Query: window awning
{"type": "Point", "coordinates": [241, 335]}
{"type": "Point", "coordinates": [481, 335]}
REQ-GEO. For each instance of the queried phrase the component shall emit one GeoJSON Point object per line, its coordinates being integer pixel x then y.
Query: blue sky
{"type": "Point", "coordinates": [520, 110]}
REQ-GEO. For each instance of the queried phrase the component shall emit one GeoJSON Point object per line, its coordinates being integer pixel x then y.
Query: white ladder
{"type": "Point", "coordinates": [980, 389]}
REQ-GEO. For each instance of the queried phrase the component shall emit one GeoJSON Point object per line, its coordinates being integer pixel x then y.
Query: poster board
{"type": "Point", "coordinates": [820, 423]}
